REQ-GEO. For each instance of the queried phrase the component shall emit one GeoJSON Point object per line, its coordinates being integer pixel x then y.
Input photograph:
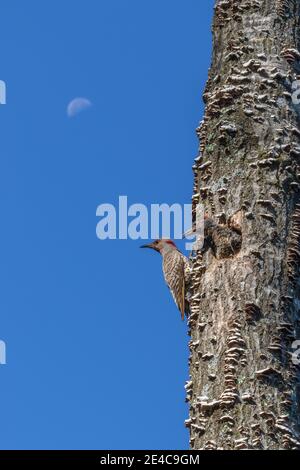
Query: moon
{"type": "Point", "coordinates": [77, 105]}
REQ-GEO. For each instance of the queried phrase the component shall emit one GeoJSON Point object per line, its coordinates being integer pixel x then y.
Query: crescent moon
{"type": "Point", "coordinates": [77, 105]}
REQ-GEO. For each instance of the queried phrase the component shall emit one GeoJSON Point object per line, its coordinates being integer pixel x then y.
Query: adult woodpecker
{"type": "Point", "coordinates": [176, 270]}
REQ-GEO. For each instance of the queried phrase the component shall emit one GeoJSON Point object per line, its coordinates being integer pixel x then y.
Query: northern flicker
{"type": "Point", "coordinates": [176, 270]}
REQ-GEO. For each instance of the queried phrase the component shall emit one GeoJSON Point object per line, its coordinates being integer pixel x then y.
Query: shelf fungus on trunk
{"type": "Point", "coordinates": [244, 388]}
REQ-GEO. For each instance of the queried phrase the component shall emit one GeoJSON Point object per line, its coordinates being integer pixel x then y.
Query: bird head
{"type": "Point", "coordinates": [162, 246]}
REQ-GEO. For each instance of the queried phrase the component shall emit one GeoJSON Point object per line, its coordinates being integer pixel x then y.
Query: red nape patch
{"type": "Point", "coordinates": [171, 243]}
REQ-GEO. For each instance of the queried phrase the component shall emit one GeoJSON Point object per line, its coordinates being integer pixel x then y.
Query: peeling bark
{"type": "Point", "coordinates": [244, 388]}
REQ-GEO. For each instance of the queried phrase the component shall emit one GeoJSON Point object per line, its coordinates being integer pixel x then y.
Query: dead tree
{"type": "Point", "coordinates": [244, 380]}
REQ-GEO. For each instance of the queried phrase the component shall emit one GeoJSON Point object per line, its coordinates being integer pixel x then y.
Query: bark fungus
{"type": "Point", "coordinates": [245, 289]}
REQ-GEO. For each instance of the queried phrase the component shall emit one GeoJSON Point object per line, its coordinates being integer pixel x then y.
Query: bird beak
{"type": "Point", "coordinates": [150, 245]}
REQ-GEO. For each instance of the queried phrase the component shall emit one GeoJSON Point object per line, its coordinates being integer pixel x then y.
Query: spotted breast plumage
{"type": "Point", "coordinates": [176, 270]}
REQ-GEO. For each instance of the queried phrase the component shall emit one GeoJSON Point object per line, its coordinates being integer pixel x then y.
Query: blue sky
{"type": "Point", "coordinates": [96, 351]}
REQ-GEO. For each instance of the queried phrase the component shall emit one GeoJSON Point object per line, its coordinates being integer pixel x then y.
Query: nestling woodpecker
{"type": "Point", "coordinates": [176, 270]}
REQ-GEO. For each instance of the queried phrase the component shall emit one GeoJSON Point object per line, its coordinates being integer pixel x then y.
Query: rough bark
{"type": "Point", "coordinates": [244, 388]}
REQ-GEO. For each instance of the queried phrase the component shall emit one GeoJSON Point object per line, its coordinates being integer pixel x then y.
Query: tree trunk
{"type": "Point", "coordinates": [244, 383]}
